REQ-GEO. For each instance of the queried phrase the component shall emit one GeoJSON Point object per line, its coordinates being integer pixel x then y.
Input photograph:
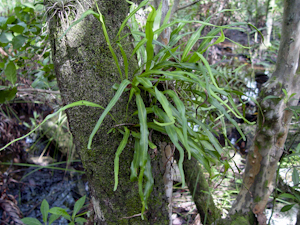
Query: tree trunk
{"type": "Point", "coordinates": [199, 189]}
{"type": "Point", "coordinates": [86, 70]}
{"type": "Point", "coordinates": [273, 120]}
{"type": "Point", "coordinates": [269, 24]}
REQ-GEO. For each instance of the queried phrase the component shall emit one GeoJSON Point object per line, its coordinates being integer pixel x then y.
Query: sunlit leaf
{"type": "Point", "coordinates": [149, 37]}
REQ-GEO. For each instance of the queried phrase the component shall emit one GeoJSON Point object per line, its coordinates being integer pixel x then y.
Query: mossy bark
{"type": "Point", "coordinates": [86, 70]}
{"type": "Point", "coordinates": [273, 120]}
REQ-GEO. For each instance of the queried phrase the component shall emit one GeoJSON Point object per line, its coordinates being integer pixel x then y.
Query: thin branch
{"type": "Point", "coordinates": [188, 5]}
{"type": "Point", "coordinates": [135, 215]}
{"type": "Point", "coordinates": [38, 90]}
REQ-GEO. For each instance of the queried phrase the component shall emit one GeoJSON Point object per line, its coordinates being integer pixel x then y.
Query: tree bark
{"type": "Point", "coordinates": [273, 122]}
{"type": "Point", "coordinates": [86, 70]}
{"type": "Point", "coordinates": [269, 24]}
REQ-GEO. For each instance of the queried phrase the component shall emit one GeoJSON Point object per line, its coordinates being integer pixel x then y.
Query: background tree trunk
{"type": "Point", "coordinates": [86, 70]}
{"type": "Point", "coordinates": [199, 189]}
{"type": "Point", "coordinates": [273, 122]}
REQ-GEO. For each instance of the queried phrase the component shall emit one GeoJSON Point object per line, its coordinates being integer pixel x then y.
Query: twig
{"type": "Point", "coordinates": [188, 5]}
{"type": "Point", "coordinates": [135, 215]}
{"type": "Point", "coordinates": [38, 90]}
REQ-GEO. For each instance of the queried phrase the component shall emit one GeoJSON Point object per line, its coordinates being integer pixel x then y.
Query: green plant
{"type": "Point", "coordinates": [24, 50]}
{"type": "Point", "coordinates": [58, 212]}
{"type": "Point", "coordinates": [182, 87]}
{"type": "Point", "coordinates": [34, 121]}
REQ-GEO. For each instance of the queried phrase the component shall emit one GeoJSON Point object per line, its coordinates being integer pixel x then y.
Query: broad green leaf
{"type": "Point", "coordinates": [78, 205]}
{"type": "Point", "coordinates": [11, 19]}
{"type": "Point", "coordinates": [2, 22]}
{"type": "Point", "coordinates": [6, 37]}
{"type": "Point", "coordinates": [142, 114]}
{"type": "Point", "coordinates": [31, 221]}
{"type": "Point", "coordinates": [18, 41]}
{"type": "Point", "coordinates": [286, 208]}
{"type": "Point", "coordinates": [8, 94]}
{"type": "Point", "coordinates": [114, 100]}
{"type": "Point", "coordinates": [149, 36]}
{"type": "Point", "coordinates": [60, 211]}
{"type": "Point", "coordinates": [44, 210]}
{"type": "Point", "coordinates": [11, 72]}
{"type": "Point", "coordinates": [118, 152]}
{"type": "Point", "coordinates": [295, 177]}
{"type": "Point", "coordinates": [18, 28]}
{"type": "Point", "coordinates": [80, 220]}
{"type": "Point", "coordinates": [52, 218]}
